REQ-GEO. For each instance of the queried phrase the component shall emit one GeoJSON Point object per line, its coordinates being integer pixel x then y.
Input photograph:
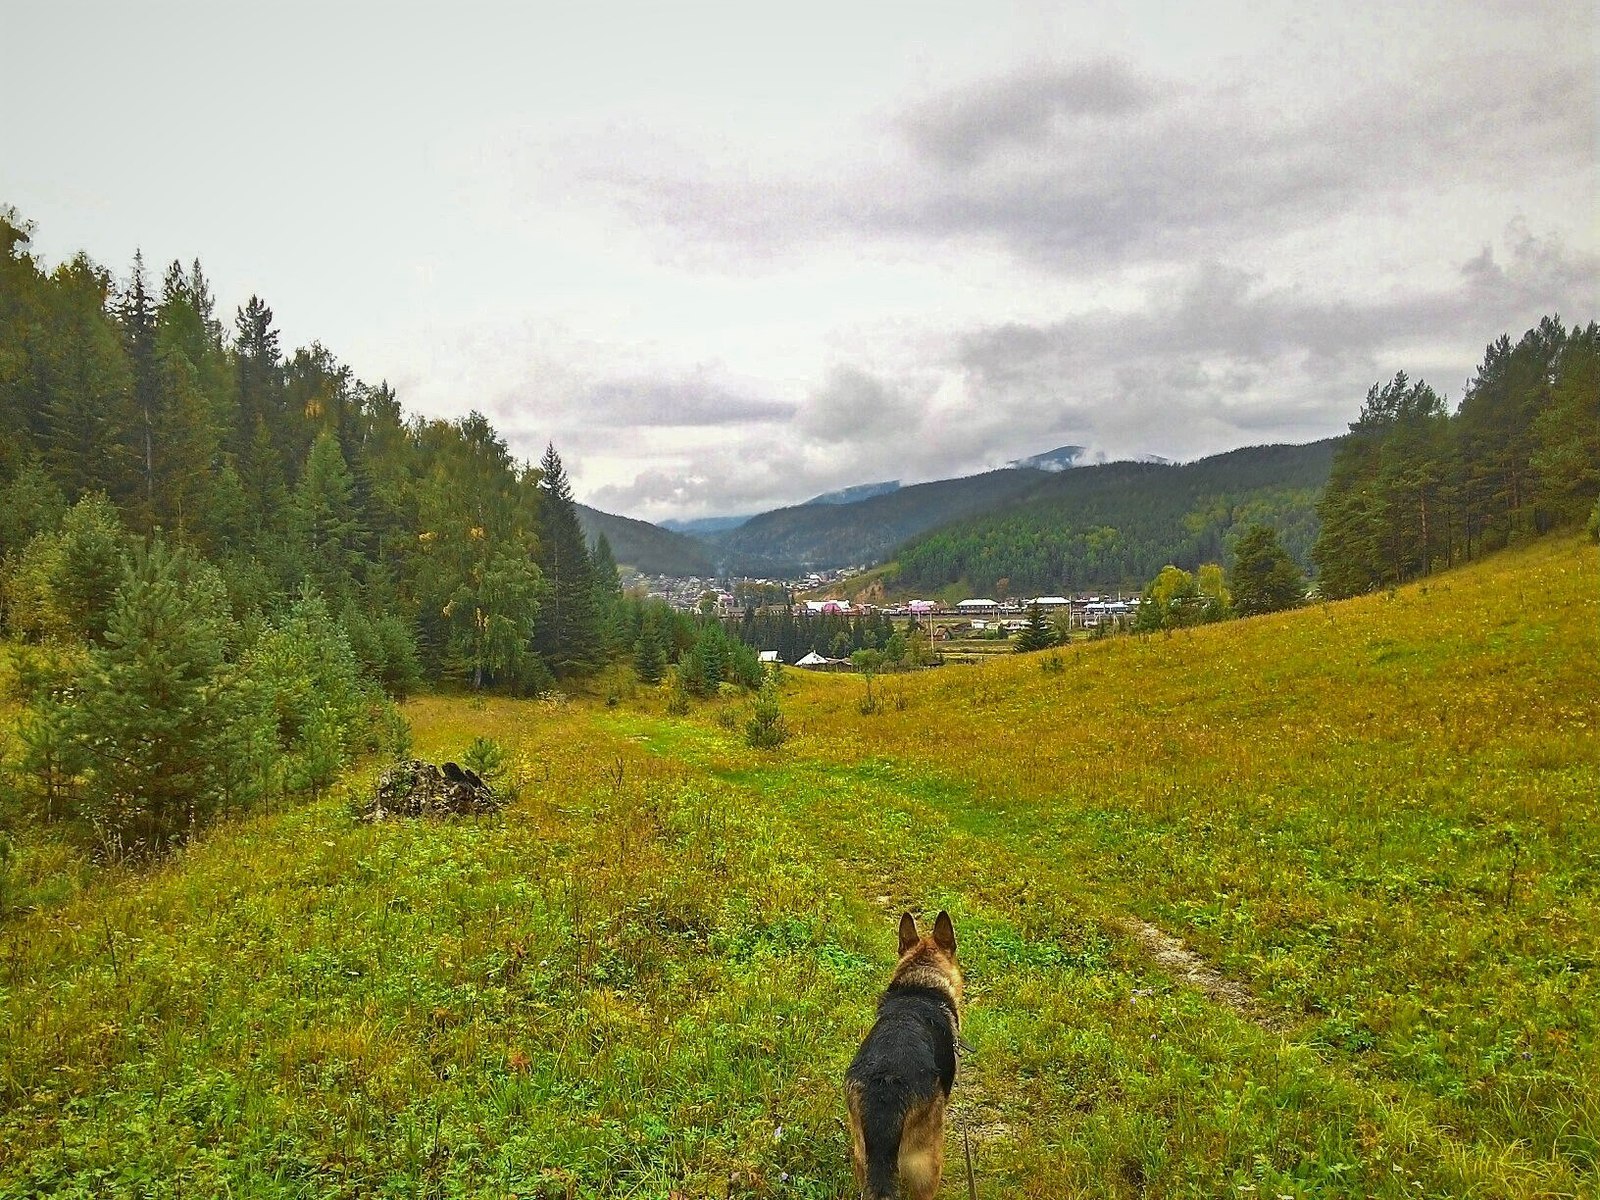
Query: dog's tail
{"type": "Point", "coordinates": [879, 1121]}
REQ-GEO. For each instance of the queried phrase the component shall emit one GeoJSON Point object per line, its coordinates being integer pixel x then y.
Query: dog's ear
{"type": "Point", "coordinates": [909, 936]}
{"type": "Point", "coordinates": [944, 933]}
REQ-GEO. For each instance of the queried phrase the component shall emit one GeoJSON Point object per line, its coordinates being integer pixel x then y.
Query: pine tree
{"type": "Point", "coordinates": [159, 719]}
{"type": "Point", "coordinates": [1566, 434]}
{"type": "Point", "coordinates": [258, 410]}
{"type": "Point", "coordinates": [65, 584]}
{"type": "Point", "coordinates": [567, 635]}
{"type": "Point", "coordinates": [86, 387]}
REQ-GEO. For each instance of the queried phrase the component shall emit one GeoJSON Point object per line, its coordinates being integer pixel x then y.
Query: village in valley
{"type": "Point", "coordinates": [964, 631]}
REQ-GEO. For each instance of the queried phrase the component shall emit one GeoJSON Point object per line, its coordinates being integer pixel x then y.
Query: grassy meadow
{"type": "Point", "coordinates": [1372, 824]}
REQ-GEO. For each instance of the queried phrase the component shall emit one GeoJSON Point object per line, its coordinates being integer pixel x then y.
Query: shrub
{"type": "Point", "coordinates": [766, 729]}
{"type": "Point", "coordinates": [677, 692]}
{"type": "Point", "coordinates": [308, 686]}
{"type": "Point", "coordinates": [487, 758]}
{"type": "Point", "coordinates": [386, 650]}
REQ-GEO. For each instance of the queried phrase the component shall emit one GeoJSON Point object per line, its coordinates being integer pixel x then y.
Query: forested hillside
{"type": "Point", "coordinates": [1117, 524]}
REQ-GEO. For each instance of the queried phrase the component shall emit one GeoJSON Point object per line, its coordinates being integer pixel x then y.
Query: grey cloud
{"type": "Point", "coordinates": [1221, 311]}
{"type": "Point", "coordinates": [1248, 359]}
{"type": "Point", "coordinates": [1201, 171]}
{"type": "Point", "coordinates": [965, 126]}
{"type": "Point", "coordinates": [1081, 166]}
{"type": "Point", "coordinates": [854, 406]}
{"type": "Point", "coordinates": [661, 402]}
{"type": "Point", "coordinates": [1540, 270]}
{"type": "Point", "coordinates": [1213, 357]}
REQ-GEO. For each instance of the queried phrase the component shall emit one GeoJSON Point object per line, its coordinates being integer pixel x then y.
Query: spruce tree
{"type": "Point", "coordinates": [87, 387]}
{"type": "Point", "coordinates": [137, 313]}
{"type": "Point", "coordinates": [567, 633]}
{"type": "Point", "coordinates": [1038, 635]}
{"type": "Point", "coordinates": [649, 660]}
{"type": "Point", "coordinates": [327, 533]}
{"type": "Point", "coordinates": [607, 593]}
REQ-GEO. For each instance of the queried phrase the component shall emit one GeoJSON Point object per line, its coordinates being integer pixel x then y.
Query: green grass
{"type": "Point", "coordinates": [1377, 819]}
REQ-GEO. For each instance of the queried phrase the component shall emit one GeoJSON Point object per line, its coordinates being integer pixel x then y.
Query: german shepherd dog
{"type": "Point", "coordinates": [900, 1081]}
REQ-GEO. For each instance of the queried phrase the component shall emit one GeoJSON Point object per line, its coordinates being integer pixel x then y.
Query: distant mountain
{"type": "Point", "coordinates": [1038, 527]}
{"type": "Point", "coordinates": [701, 526]}
{"type": "Point", "coordinates": [819, 536]}
{"type": "Point", "coordinates": [1115, 525]}
{"type": "Point", "coordinates": [1059, 459]}
{"type": "Point", "coordinates": [1064, 458]}
{"type": "Point", "coordinates": [646, 548]}
{"type": "Point", "coordinates": [856, 494]}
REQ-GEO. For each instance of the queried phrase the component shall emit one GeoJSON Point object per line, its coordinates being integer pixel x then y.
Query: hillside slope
{"type": "Point", "coordinates": [1374, 826]}
{"type": "Point", "coordinates": [646, 548]}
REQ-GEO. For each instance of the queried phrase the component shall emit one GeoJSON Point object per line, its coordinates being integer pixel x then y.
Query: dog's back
{"type": "Point", "coordinates": [900, 1081]}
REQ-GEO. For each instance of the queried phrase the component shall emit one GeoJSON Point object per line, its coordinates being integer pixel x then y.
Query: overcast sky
{"type": "Point", "coordinates": [729, 256]}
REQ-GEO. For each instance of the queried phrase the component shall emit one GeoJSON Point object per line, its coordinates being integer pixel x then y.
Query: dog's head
{"type": "Point", "coordinates": [929, 961]}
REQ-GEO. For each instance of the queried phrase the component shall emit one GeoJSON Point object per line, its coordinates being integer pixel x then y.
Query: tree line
{"type": "Point", "coordinates": [794, 634]}
{"type": "Point", "coordinates": [1415, 488]}
{"type": "Point", "coordinates": [441, 555]}
{"type": "Point", "coordinates": [232, 556]}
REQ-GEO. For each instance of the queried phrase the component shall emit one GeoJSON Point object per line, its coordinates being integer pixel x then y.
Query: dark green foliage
{"type": "Point", "coordinates": [1382, 514]}
{"type": "Point", "coordinates": [385, 648]}
{"type": "Point", "coordinates": [1114, 526]}
{"type": "Point", "coordinates": [1264, 578]}
{"type": "Point", "coordinates": [649, 658]}
{"type": "Point", "coordinates": [1566, 433]}
{"type": "Point", "coordinates": [30, 504]}
{"type": "Point", "coordinates": [832, 535]}
{"type": "Point", "coordinates": [324, 522]}
{"type": "Point", "coordinates": [320, 712]}
{"type": "Point", "coordinates": [612, 634]}
{"type": "Point", "coordinates": [477, 588]}
{"type": "Point", "coordinates": [1038, 635]}
{"type": "Point", "coordinates": [701, 669]}
{"type": "Point", "coordinates": [795, 634]}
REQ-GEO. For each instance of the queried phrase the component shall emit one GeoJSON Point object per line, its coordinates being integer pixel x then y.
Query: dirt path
{"type": "Point", "coordinates": [1172, 956]}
